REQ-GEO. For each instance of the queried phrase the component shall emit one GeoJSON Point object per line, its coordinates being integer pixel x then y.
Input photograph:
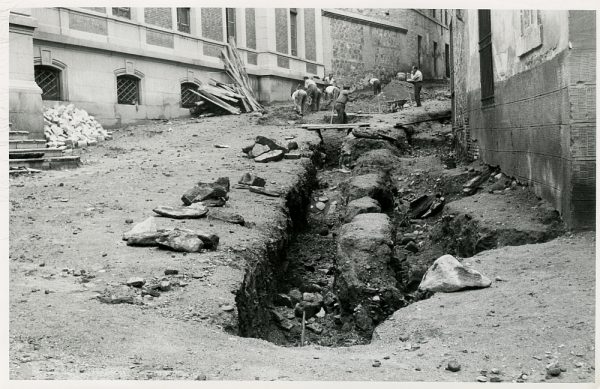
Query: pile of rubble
{"type": "Point", "coordinates": [70, 127]}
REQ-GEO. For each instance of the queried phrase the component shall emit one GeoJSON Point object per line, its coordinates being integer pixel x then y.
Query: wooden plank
{"type": "Point", "coordinates": [218, 102]}
{"type": "Point", "coordinates": [334, 126]}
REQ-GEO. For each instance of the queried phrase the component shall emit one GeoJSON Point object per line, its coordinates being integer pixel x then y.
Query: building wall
{"type": "Point", "coordinates": [89, 45]}
{"type": "Point", "coordinates": [361, 43]}
{"type": "Point", "coordinates": [537, 120]}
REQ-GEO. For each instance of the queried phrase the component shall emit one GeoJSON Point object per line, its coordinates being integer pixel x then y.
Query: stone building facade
{"type": "Point", "coordinates": [524, 89]}
{"type": "Point", "coordinates": [360, 43]}
{"type": "Point", "coordinates": [124, 65]}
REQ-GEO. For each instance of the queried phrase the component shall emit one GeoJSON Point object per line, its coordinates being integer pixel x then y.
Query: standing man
{"type": "Point", "coordinates": [417, 80]}
{"type": "Point", "coordinates": [340, 105]}
{"type": "Point", "coordinates": [299, 97]}
{"type": "Point", "coordinates": [329, 79]}
{"type": "Point", "coordinates": [376, 85]}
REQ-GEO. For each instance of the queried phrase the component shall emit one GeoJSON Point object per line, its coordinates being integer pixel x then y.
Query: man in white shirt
{"type": "Point", "coordinates": [331, 94]}
{"type": "Point", "coordinates": [376, 85]}
{"type": "Point", "coordinates": [299, 97]}
{"type": "Point", "coordinates": [417, 80]}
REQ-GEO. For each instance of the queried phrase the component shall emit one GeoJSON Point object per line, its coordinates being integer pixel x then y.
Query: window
{"type": "Point", "coordinates": [446, 17]}
{"type": "Point", "coordinates": [183, 20]}
{"type": "Point", "coordinates": [122, 12]}
{"type": "Point", "coordinates": [486, 66]}
{"type": "Point", "coordinates": [433, 13]}
{"type": "Point", "coordinates": [48, 79]}
{"type": "Point", "coordinates": [128, 90]}
{"type": "Point", "coordinates": [419, 40]}
{"type": "Point", "coordinates": [435, 54]}
{"type": "Point", "coordinates": [294, 30]}
{"type": "Point", "coordinates": [531, 32]}
{"type": "Point", "coordinates": [447, 59]}
{"type": "Point", "coordinates": [528, 18]}
{"type": "Point", "coordinates": [230, 20]}
{"type": "Point", "coordinates": [188, 98]}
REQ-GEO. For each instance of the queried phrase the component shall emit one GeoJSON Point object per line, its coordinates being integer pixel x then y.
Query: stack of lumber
{"type": "Point", "coordinates": [233, 98]}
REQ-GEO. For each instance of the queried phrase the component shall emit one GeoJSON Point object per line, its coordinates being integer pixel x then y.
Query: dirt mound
{"type": "Point", "coordinates": [397, 90]}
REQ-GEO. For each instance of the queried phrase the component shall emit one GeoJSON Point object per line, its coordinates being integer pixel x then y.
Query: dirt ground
{"type": "Point", "coordinates": [539, 309]}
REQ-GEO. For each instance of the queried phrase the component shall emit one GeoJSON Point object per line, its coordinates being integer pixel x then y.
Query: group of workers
{"type": "Point", "coordinates": [309, 95]}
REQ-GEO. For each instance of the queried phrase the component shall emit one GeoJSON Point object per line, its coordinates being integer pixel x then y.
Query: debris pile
{"type": "Point", "coordinates": [221, 98]}
{"type": "Point", "coordinates": [265, 150]}
{"type": "Point", "coordinates": [70, 127]}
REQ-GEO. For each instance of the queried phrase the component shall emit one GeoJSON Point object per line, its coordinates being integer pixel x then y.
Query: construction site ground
{"type": "Point", "coordinates": [539, 309]}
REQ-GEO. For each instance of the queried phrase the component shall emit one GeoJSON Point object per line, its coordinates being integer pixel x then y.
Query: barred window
{"type": "Point", "coordinates": [122, 12]}
{"type": "Point", "coordinates": [294, 30]}
{"type": "Point", "coordinates": [128, 90]}
{"type": "Point", "coordinates": [230, 20]}
{"type": "Point", "coordinates": [188, 98]}
{"type": "Point", "coordinates": [48, 79]}
{"type": "Point", "coordinates": [183, 20]}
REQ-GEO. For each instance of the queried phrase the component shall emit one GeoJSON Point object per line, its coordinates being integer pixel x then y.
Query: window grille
{"type": "Point", "coordinates": [122, 12]}
{"type": "Point", "coordinates": [48, 79]}
{"type": "Point", "coordinates": [183, 20]}
{"type": "Point", "coordinates": [294, 30]}
{"type": "Point", "coordinates": [230, 19]}
{"type": "Point", "coordinates": [188, 98]}
{"type": "Point", "coordinates": [486, 66]}
{"type": "Point", "coordinates": [128, 90]}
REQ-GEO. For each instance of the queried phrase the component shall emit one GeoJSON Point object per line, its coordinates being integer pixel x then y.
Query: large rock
{"type": "Point", "coordinates": [226, 216]}
{"type": "Point", "coordinates": [363, 205]}
{"type": "Point", "coordinates": [194, 211]}
{"type": "Point", "coordinates": [271, 156]}
{"type": "Point", "coordinates": [374, 185]}
{"type": "Point", "coordinates": [207, 191]}
{"type": "Point", "coordinates": [353, 148]}
{"type": "Point", "coordinates": [181, 240]}
{"type": "Point", "coordinates": [251, 179]}
{"type": "Point", "coordinates": [147, 238]}
{"type": "Point", "coordinates": [363, 267]}
{"type": "Point", "coordinates": [270, 143]}
{"type": "Point", "coordinates": [375, 161]}
{"type": "Point", "coordinates": [396, 136]}
{"type": "Point", "coordinates": [257, 150]}
{"type": "Point", "coordinates": [448, 275]}
{"type": "Point", "coordinates": [147, 226]}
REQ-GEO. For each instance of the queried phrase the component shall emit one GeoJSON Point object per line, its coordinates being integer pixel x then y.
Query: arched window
{"type": "Point", "coordinates": [128, 90]}
{"type": "Point", "coordinates": [48, 79]}
{"type": "Point", "coordinates": [189, 99]}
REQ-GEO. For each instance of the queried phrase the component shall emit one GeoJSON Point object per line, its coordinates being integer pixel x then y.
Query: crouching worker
{"type": "Point", "coordinates": [340, 105]}
{"type": "Point", "coordinates": [331, 94]}
{"type": "Point", "coordinates": [299, 97]}
{"type": "Point", "coordinates": [315, 96]}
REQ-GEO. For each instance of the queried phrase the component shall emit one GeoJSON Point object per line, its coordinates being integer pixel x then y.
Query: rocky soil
{"type": "Point", "coordinates": [67, 260]}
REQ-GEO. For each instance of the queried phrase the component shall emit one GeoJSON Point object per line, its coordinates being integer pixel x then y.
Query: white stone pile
{"type": "Point", "coordinates": [70, 127]}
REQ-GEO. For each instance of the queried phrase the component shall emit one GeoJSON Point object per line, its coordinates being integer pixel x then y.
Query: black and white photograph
{"type": "Point", "coordinates": [238, 193]}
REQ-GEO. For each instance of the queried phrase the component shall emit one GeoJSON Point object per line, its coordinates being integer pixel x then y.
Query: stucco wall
{"type": "Point", "coordinates": [541, 118]}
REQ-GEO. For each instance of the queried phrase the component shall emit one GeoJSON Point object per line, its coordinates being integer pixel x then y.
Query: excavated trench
{"type": "Point", "coordinates": [301, 271]}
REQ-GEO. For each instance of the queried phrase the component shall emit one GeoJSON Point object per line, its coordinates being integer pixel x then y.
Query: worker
{"type": "Point", "coordinates": [331, 94]}
{"type": "Point", "coordinates": [309, 81]}
{"type": "Point", "coordinates": [416, 78]}
{"type": "Point", "coordinates": [329, 80]}
{"type": "Point", "coordinates": [300, 98]}
{"type": "Point", "coordinates": [376, 85]}
{"type": "Point", "coordinates": [314, 94]}
{"type": "Point", "coordinates": [340, 105]}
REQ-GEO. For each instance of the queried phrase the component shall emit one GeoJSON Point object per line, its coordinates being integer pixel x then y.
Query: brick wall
{"type": "Point", "coordinates": [212, 23]}
{"type": "Point", "coordinates": [250, 28]}
{"type": "Point", "coordinates": [281, 30]}
{"type": "Point", "coordinates": [310, 44]}
{"type": "Point", "coordinates": [161, 17]}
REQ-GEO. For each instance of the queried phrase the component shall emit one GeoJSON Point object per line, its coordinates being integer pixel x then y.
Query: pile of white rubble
{"type": "Point", "coordinates": [70, 127]}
